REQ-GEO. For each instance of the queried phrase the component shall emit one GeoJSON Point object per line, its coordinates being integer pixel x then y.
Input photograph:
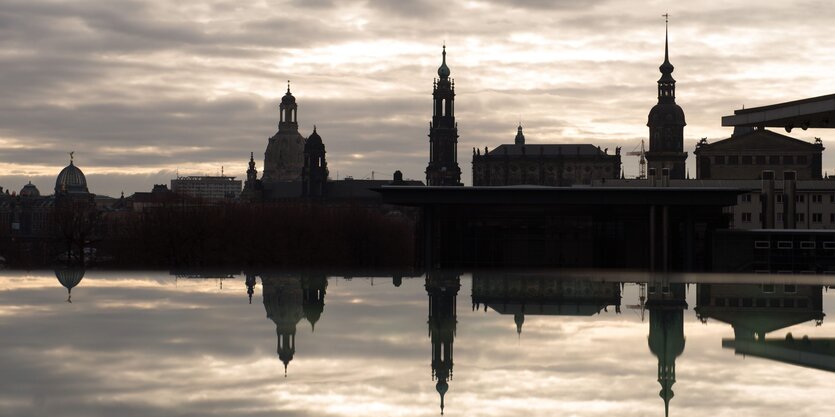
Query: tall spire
{"type": "Point", "coordinates": [288, 86]}
{"type": "Point", "coordinates": [443, 70]}
{"type": "Point", "coordinates": [666, 67]}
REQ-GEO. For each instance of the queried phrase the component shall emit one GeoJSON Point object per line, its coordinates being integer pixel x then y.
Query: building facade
{"type": "Point", "coordinates": [207, 187]}
{"type": "Point", "coordinates": [443, 132]}
{"type": "Point", "coordinates": [547, 164]}
{"type": "Point", "coordinates": [749, 151]}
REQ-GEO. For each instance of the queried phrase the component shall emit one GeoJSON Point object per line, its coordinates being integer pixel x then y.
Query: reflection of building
{"type": "Point", "coordinates": [69, 278]}
{"type": "Point", "coordinates": [442, 289]}
{"type": "Point", "coordinates": [443, 132]}
{"type": "Point", "coordinates": [757, 309]}
{"type": "Point", "coordinates": [666, 304]}
{"type": "Point", "coordinates": [288, 300]}
{"type": "Point", "coordinates": [283, 302]}
{"type": "Point", "coordinates": [551, 296]}
{"type": "Point", "coordinates": [546, 164]}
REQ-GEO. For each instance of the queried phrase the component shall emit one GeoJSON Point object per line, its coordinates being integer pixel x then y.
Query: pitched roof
{"type": "Point", "coordinates": [548, 149]}
{"type": "Point", "coordinates": [760, 140]}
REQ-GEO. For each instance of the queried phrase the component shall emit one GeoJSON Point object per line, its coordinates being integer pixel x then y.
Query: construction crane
{"type": "Point", "coordinates": [642, 164]}
{"type": "Point", "coordinates": [642, 298]}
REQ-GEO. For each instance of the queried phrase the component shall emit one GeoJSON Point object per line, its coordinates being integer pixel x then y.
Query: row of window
{"type": "Point", "coordinates": [799, 198]}
{"type": "Point", "coordinates": [799, 217]}
{"type": "Point", "coordinates": [788, 244]}
{"type": "Point", "coordinates": [761, 302]}
{"type": "Point", "coordinates": [760, 159]}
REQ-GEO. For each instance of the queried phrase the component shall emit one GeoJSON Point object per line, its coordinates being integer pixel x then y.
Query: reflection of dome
{"type": "Point", "coordinates": [71, 181]}
{"type": "Point", "coordinates": [69, 278]}
{"type": "Point", "coordinates": [29, 190]}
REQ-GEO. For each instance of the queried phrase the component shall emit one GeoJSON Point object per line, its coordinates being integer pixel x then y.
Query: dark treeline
{"type": "Point", "coordinates": [260, 235]}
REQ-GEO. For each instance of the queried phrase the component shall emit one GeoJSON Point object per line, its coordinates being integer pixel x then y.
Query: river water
{"type": "Point", "coordinates": [539, 343]}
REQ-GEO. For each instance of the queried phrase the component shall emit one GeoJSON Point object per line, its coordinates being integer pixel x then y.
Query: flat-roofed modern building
{"type": "Point", "coordinates": [207, 187]}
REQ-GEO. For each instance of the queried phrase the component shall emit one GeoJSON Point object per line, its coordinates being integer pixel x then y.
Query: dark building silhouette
{"type": "Point", "coordinates": [283, 301]}
{"type": "Point", "coordinates": [442, 288]}
{"type": "Point", "coordinates": [314, 288]}
{"type": "Point", "coordinates": [283, 159]}
{"type": "Point", "coordinates": [253, 187]}
{"type": "Point", "coordinates": [443, 132]}
{"type": "Point", "coordinates": [521, 295]}
{"type": "Point", "coordinates": [666, 125]}
{"type": "Point", "coordinates": [315, 170]}
{"type": "Point", "coordinates": [546, 164]}
{"type": "Point", "coordinates": [749, 151]}
{"type": "Point", "coordinates": [754, 310]}
{"type": "Point", "coordinates": [666, 304]}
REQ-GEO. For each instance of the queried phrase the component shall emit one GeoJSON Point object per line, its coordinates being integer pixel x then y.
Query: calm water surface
{"type": "Point", "coordinates": [476, 344]}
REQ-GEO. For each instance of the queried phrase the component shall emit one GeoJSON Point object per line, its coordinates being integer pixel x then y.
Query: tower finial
{"type": "Point", "coordinates": [288, 86]}
{"type": "Point", "coordinates": [72, 153]}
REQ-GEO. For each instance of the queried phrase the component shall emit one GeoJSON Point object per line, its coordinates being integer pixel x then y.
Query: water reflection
{"type": "Point", "coordinates": [69, 278]}
{"type": "Point", "coordinates": [442, 289]}
{"type": "Point", "coordinates": [575, 336]}
{"type": "Point", "coordinates": [666, 303]}
{"type": "Point", "coordinates": [754, 310]}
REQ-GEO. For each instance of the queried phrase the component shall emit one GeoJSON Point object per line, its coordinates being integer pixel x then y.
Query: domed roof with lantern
{"type": "Point", "coordinates": [71, 180]}
{"type": "Point", "coordinates": [29, 191]}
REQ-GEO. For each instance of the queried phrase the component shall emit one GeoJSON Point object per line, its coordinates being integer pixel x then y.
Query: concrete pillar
{"type": "Point", "coordinates": [665, 236]}
{"type": "Point", "coordinates": [652, 237]}
{"type": "Point", "coordinates": [789, 197]}
{"type": "Point", "coordinates": [768, 200]}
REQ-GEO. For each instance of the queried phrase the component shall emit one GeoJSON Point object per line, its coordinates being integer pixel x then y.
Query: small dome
{"type": "Point", "coordinates": [443, 70]}
{"type": "Point", "coordinates": [29, 190]}
{"type": "Point", "coordinates": [314, 141]}
{"type": "Point", "coordinates": [71, 181]}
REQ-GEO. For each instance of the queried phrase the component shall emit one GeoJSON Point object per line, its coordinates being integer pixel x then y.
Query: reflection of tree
{"type": "Point", "coordinates": [76, 220]}
{"type": "Point", "coordinates": [442, 289]}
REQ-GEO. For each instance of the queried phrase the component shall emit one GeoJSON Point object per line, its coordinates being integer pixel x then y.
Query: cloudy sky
{"type": "Point", "coordinates": [142, 88]}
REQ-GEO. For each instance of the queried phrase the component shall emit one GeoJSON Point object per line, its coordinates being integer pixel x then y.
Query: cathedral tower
{"type": "Point", "coordinates": [666, 124]}
{"type": "Point", "coordinates": [443, 132]}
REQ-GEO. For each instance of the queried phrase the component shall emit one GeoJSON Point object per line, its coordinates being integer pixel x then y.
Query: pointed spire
{"type": "Point", "coordinates": [252, 156]}
{"type": "Point", "coordinates": [666, 67]}
{"type": "Point", "coordinates": [443, 70]}
{"type": "Point", "coordinates": [288, 86]}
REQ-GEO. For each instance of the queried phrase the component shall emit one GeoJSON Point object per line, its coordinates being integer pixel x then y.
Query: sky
{"type": "Point", "coordinates": [144, 89]}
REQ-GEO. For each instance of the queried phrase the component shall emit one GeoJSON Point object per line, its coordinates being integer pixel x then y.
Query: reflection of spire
{"type": "Point", "coordinates": [666, 306]}
{"type": "Point", "coordinates": [283, 303]}
{"type": "Point", "coordinates": [442, 289]}
{"type": "Point", "coordinates": [313, 293]}
{"type": "Point", "coordinates": [519, 318]}
{"type": "Point", "coordinates": [250, 286]}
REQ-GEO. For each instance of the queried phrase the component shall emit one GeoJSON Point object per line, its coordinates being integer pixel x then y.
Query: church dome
{"type": "Point", "coordinates": [29, 190]}
{"type": "Point", "coordinates": [288, 96]}
{"type": "Point", "coordinates": [71, 181]}
{"type": "Point", "coordinates": [666, 113]}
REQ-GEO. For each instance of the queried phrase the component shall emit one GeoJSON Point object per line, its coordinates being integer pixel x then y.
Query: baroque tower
{"type": "Point", "coordinates": [443, 132]}
{"type": "Point", "coordinates": [666, 124]}
{"type": "Point", "coordinates": [283, 159]}
{"type": "Point", "coordinates": [315, 172]}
